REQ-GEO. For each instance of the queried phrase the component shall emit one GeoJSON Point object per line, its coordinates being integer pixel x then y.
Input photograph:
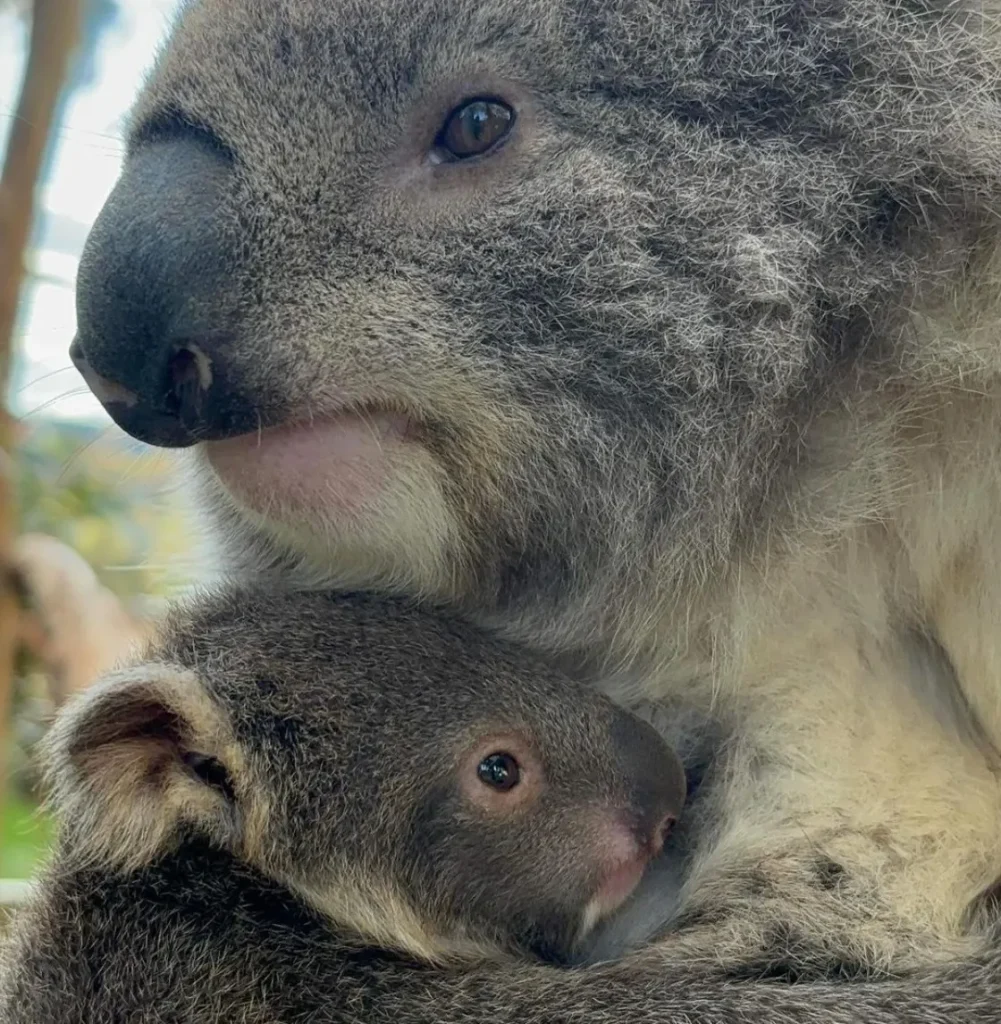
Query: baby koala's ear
{"type": "Point", "coordinates": [135, 757]}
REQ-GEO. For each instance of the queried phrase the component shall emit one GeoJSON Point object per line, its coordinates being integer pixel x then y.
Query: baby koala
{"type": "Point", "coordinates": [418, 783]}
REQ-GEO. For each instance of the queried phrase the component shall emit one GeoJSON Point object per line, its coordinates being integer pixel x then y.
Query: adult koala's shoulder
{"type": "Point", "coordinates": [661, 336]}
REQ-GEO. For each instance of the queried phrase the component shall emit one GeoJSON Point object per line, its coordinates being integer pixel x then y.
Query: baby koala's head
{"type": "Point", "coordinates": [418, 782]}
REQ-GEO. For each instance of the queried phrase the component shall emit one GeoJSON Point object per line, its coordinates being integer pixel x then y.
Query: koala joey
{"type": "Point", "coordinates": [299, 802]}
{"type": "Point", "coordinates": [402, 773]}
{"type": "Point", "coordinates": [658, 335]}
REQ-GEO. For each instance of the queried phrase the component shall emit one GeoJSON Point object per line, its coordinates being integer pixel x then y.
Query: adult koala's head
{"type": "Point", "coordinates": [523, 303]}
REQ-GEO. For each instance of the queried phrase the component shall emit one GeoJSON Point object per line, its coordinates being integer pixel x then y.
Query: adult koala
{"type": "Point", "coordinates": [660, 336]}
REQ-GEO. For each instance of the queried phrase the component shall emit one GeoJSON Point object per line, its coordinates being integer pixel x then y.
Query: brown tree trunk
{"type": "Point", "coordinates": [54, 28]}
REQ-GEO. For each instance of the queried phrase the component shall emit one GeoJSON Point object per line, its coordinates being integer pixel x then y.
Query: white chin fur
{"type": "Point", "coordinates": [405, 537]}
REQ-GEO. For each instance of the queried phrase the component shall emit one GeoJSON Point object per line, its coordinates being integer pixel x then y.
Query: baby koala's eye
{"type": "Point", "coordinates": [499, 771]}
{"type": "Point", "coordinates": [475, 128]}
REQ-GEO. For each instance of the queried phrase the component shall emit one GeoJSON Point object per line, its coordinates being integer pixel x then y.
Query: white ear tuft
{"type": "Point", "coordinates": [134, 757]}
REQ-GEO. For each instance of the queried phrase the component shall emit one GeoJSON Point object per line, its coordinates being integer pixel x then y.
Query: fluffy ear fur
{"type": "Point", "coordinates": [136, 757]}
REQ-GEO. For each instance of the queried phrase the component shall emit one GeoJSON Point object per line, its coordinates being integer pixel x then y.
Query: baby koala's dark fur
{"type": "Point", "coordinates": [255, 838]}
{"type": "Point", "coordinates": [334, 743]}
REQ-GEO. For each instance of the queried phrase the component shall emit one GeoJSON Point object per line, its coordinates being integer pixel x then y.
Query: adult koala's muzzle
{"type": "Point", "coordinates": [156, 323]}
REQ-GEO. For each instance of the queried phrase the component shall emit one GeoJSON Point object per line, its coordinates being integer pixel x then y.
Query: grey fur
{"type": "Point", "coordinates": [200, 939]}
{"type": "Point", "coordinates": [701, 384]}
{"type": "Point", "coordinates": [347, 743]}
{"type": "Point", "coordinates": [646, 287]}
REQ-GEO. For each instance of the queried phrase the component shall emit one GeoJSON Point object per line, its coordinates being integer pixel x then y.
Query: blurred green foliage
{"type": "Point", "coordinates": [24, 837]}
{"type": "Point", "coordinates": [97, 497]}
{"type": "Point", "coordinates": [94, 490]}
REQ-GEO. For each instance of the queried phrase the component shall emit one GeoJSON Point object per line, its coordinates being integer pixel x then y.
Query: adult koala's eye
{"type": "Point", "coordinates": [499, 771]}
{"type": "Point", "coordinates": [475, 128]}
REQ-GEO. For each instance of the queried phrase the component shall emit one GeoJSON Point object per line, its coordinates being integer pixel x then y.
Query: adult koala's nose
{"type": "Point", "coordinates": [155, 327]}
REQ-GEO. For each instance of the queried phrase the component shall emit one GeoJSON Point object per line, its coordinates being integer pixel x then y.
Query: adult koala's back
{"type": "Point", "coordinates": [660, 334]}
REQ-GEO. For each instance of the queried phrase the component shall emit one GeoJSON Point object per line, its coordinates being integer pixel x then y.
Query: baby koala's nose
{"type": "Point", "coordinates": [654, 779]}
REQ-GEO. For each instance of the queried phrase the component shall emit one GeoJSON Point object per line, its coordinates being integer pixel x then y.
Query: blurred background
{"type": "Point", "coordinates": [109, 535]}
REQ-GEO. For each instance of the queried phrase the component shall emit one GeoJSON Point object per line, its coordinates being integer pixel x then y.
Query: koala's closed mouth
{"type": "Point", "coordinates": [344, 459]}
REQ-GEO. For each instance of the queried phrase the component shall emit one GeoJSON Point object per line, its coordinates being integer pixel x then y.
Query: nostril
{"type": "Point", "coordinates": [189, 377]}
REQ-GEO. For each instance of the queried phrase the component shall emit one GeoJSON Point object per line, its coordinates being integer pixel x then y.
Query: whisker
{"type": "Point", "coordinates": [44, 376]}
{"type": "Point", "coordinates": [75, 457]}
{"type": "Point", "coordinates": [139, 457]}
{"type": "Point", "coordinates": [75, 393]}
{"type": "Point", "coordinates": [365, 417]}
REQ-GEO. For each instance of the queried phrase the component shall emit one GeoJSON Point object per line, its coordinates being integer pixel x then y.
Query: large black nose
{"type": "Point", "coordinates": [156, 328]}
